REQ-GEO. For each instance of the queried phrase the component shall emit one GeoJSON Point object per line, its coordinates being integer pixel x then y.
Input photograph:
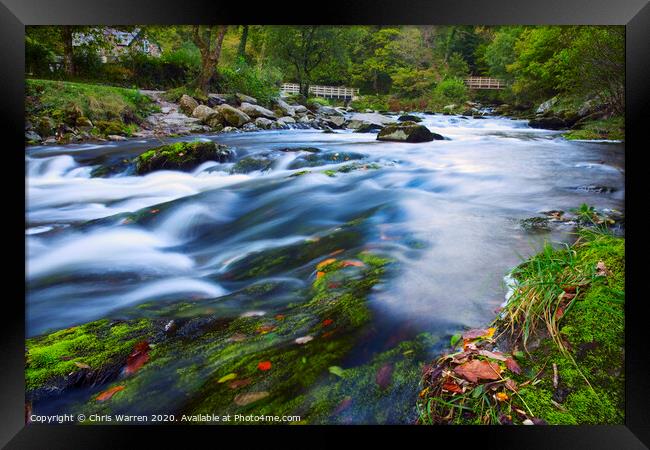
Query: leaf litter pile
{"type": "Point", "coordinates": [472, 384]}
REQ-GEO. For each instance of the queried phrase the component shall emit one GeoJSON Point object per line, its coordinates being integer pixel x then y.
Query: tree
{"type": "Point", "coordinates": [241, 50]}
{"type": "Point", "coordinates": [305, 48]}
{"type": "Point", "coordinates": [209, 40]}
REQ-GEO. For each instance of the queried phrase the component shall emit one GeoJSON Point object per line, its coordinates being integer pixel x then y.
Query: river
{"type": "Point", "coordinates": [446, 212]}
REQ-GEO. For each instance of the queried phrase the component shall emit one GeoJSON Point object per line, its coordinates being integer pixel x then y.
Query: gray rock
{"type": "Point", "coordinates": [359, 119]}
{"type": "Point", "coordinates": [255, 111]}
{"type": "Point", "coordinates": [285, 108]}
{"type": "Point", "coordinates": [409, 118]}
{"type": "Point", "coordinates": [300, 109]}
{"type": "Point", "coordinates": [115, 137]}
{"type": "Point", "coordinates": [32, 136]}
{"type": "Point", "coordinates": [233, 116]}
{"type": "Point", "coordinates": [328, 111]}
{"type": "Point", "coordinates": [335, 121]}
{"type": "Point", "coordinates": [216, 100]}
{"type": "Point", "coordinates": [202, 112]}
{"type": "Point", "coordinates": [245, 98]}
{"type": "Point", "coordinates": [407, 132]}
{"type": "Point", "coordinates": [187, 104]}
{"type": "Point", "coordinates": [546, 106]}
{"type": "Point", "coordinates": [549, 123]}
{"type": "Point", "coordinates": [286, 120]}
{"type": "Point", "coordinates": [263, 123]}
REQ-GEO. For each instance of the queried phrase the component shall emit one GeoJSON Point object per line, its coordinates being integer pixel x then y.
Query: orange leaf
{"type": "Point", "coordinates": [502, 396]}
{"type": "Point", "coordinates": [327, 262]}
{"type": "Point", "coordinates": [475, 369]}
{"type": "Point", "coordinates": [336, 252]}
{"type": "Point", "coordinates": [263, 329]}
{"type": "Point", "coordinates": [279, 317]}
{"type": "Point", "coordinates": [327, 322]}
{"type": "Point", "coordinates": [319, 275]}
{"type": "Point", "coordinates": [264, 365]}
{"type": "Point", "coordinates": [452, 387]}
{"type": "Point", "coordinates": [348, 262]}
{"type": "Point", "coordinates": [109, 393]}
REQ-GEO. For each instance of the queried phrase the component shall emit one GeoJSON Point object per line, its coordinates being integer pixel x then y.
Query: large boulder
{"type": "Point", "coordinates": [263, 123]}
{"type": "Point", "coordinates": [187, 104]}
{"type": "Point", "coordinates": [202, 112]}
{"type": "Point", "coordinates": [335, 121]}
{"type": "Point", "coordinates": [246, 98]}
{"type": "Point", "coordinates": [549, 123]}
{"type": "Point", "coordinates": [286, 120]}
{"type": "Point", "coordinates": [284, 108]}
{"type": "Point", "coordinates": [300, 109]}
{"type": "Point", "coordinates": [328, 111]}
{"type": "Point", "coordinates": [181, 156]}
{"type": "Point", "coordinates": [546, 106]}
{"type": "Point", "coordinates": [407, 132]}
{"type": "Point", "coordinates": [216, 100]}
{"type": "Point", "coordinates": [357, 120]}
{"type": "Point", "coordinates": [233, 116]}
{"type": "Point", "coordinates": [255, 111]}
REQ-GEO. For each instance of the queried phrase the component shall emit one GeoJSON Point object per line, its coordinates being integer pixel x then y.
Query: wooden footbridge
{"type": "Point", "coordinates": [484, 83]}
{"type": "Point", "coordinates": [338, 92]}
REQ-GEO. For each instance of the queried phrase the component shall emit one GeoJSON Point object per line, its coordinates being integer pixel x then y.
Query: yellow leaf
{"type": "Point", "coordinates": [230, 376]}
{"type": "Point", "coordinates": [502, 396]}
{"type": "Point", "coordinates": [327, 262]}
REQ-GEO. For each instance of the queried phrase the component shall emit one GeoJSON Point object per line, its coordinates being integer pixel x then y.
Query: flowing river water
{"type": "Point", "coordinates": [445, 212]}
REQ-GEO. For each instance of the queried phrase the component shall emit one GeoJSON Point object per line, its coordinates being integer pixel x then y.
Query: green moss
{"type": "Point", "coordinates": [299, 173]}
{"type": "Point", "coordinates": [612, 128]}
{"type": "Point", "coordinates": [251, 164]}
{"type": "Point", "coordinates": [180, 156]}
{"type": "Point", "coordinates": [96, 344]}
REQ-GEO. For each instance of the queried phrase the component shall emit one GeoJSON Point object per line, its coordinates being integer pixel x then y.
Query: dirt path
{"type": "Point", "coordinates": [169, 121]}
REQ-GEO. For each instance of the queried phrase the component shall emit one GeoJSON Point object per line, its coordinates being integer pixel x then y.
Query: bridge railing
{"type": "Point", "coordinates": [322, 91]}
{"type": "Point", "coordinates": [484, 83]}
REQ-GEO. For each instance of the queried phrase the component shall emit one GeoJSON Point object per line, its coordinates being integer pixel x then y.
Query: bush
{"type": "Point", "coordinates": [38, 58]}
{"type": "Point", "coordinates": [260, 82]}
{"type": "Point", "coordinates": [409, 83]}
{"type": "Point", "coordinates": [156, 73]}
{"type": "Point", "coordinates": [452, 90]}
{"type": "Point", "coordinates": [375, 102]}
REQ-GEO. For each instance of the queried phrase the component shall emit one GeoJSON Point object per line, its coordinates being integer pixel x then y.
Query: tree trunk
{"type": "Point", "coordinates": [210, 48]}
{"type": "Point", "coordinates": [241, 51]}
{"type": "Point", "coordinates": [68, 61]}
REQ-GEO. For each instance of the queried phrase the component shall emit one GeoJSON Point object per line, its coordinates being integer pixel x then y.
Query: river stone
{"type": "Point", "coordinates": [300, 109]}
{"type": "Point", "coordinates": [181, 156]}
{"type": "Point", "coordinates": [246, 98]}
{"type": "Point", "coordinates": [254, 111]}
{"type": "Point", "coordinates": [187, 104]}
{"type": "Point", "coordinates": [358, 119]}
{"type": "Point", "coordinates": [546, 106]}
{"type": "Point", "coordinates": [549, 123]}
{"type": "Point", "coordinates": [214, 120]}
{"type": "Point", "coordinates": [233, 116]}
{"type": "Point", "coordinates": [202, 112]}
{"type": "Point", "coordinates": [216, 100]}
{"type": "Point", "coordinates": [328, 111]}
{"type": "Point", "coordinates": [368, 128]}
{"type": "Point", "coordinates": [252, 164]}
{"type": "Point", "coordinates": [285, 108]}
{"type": "Point", "coordinates": [263, 123]}
{"type": "Point", "coordinates": [335, 121]}
{"type": "Point", "coordinates": [407, 132]}
{"type": "Point", "coordinates": [409, 118]}
{"type": "Point", "coordinates": [286, 120]}
{"type": "Point", "coordinates": [323, 158]}
{"type": "Point", "coordinates": [32, 137]}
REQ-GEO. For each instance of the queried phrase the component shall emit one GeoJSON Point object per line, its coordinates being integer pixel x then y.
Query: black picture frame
{"type": "Point", "coordinates": [15, 14]}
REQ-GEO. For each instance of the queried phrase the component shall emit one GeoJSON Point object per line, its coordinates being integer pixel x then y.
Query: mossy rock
{"type": "Point", "coordinates": [80, 355]}
{"type": "Point", "coordinates": [407, 132]}
{"type": "Point", "coordinates": [108, 127]}
{"type": "Point", "coordinates": [252, 164]}
{"type": "Point", "coordinates": [181, 156]}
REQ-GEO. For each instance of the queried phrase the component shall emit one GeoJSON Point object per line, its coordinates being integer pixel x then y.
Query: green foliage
{"type": "Point", "coordinates": [374, 102]}
{"type": "Point", "coordinates": [612, 128]}
{"type": "Point", "coordinates": [38, 57]}
{"type": "Point", "coordinates": [260, 82]}
{"type": "Point", "coordinates": [409, 83]}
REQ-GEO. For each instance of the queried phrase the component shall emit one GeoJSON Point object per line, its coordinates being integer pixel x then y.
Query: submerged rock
{"type": "Point", "coordinates": [409, 118]}
{"type": "Point", "coordinates": [181, 156]}
{"type": "Point", "coordinates": [407, 132]}
{"type": "Point", "coordinates": [549, 123]}
{"type": "Point", "coordinates": [252, 164]}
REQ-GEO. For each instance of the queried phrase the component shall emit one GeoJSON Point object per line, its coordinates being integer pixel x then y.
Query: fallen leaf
{"type": "Point", "coordinates": [324, 263]}
{"type": "Point", "coordinates": [384, 375]}
{"type": "Point", "coordinates": [138, 357]}
{"type": "Point", "coordinates": [336, 252]}
{"type": "Point", "coordinates": [304, 339]}
{"type": "Point", "coordinates": [338, 371]}
{"type": "Point", "coordinates": [454, 340]}
{"type": "Point", "coordinates": [249, 397]}
{"type": "Point", "coordinates": [319, 275]}
{"type": "Point", "coordinates": [528, 422]}
{"type": "Point", "coordinates": [502, 396]}
{"type": "Point", "coordinates": [345, 404]}
{"type": "Point", "coordinates": [81, 365]}
{"type": "Point", "coordinates": [512, 366]}
{"type": "Point", "coordinates": [236, 384]}
{"type": "Point", "coordinates": [511, 384]}
{"type": "Point", "coordinates": [348, 263]}
{"type": "Point", "coordinates": [494, 355]}
{"type": "Point", "coordinates": [327, 322]}
{"type": "Point", "coordinates": [279, 317]}
{"type": "Point", "coordinates": [109, 393]}
{"type": "Point", "coordinates": [263, 329]}
{"type": "Point", "coordinates": [601, 269]}
{"type": "Point", "coordinates": [230, 376]}
{"type": "Point", "coordinates": [479, 333]}
{"type": "Point", "coordinates": [237, 337]}
{"type": "Point", "coordinates": [452, 387]}
{"type": "Point", "coordinates": [264, 365]}
{"type": "Point", "coordinates": [475, 369]}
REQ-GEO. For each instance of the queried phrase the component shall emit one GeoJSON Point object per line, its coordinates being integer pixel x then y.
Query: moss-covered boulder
{"type": "Point", "coordinates": [252, 164]}
{"type": "Point", "coordinates": [181, 156]}
{"type": "Point", "coordinates": [549, 123]}
{"type": "Point", "coordinates": [233, 116]}
{"type": "Point", "coordinates": [409, 118]}
{"type": "Point", "coordinates": [187, 104]}
{"type": "Point", "coordinates": [407, 132]}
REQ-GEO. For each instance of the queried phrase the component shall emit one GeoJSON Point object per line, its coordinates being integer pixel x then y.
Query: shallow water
{"type": "Point", "coordinates": [446, 211]}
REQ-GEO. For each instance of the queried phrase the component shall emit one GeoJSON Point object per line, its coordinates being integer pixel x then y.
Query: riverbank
{"type": "Point", "coordinates": [555, 354]}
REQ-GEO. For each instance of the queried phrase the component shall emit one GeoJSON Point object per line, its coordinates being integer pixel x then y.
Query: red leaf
{"type": "Point", "coordinates": [452, 387]}
{"type": "Point", "coordinates": [512, 366]}
{"type": "Point", "coordinates": [264, 365]}
{"type": "Point", "coordinates": [348, 263]}
{"type": "Point", "coordinates": [345, 404]}
{"type": "Point", "coordinates": [327, 322]}
{"type": "Point", "coordinates": [384, 375]}
{"type": "Point", "coordinates": [109, 393]}
{"type": "Point", "coordinates": [475, 369]}
{"type": "Point", "coordinates": [138, 357]}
